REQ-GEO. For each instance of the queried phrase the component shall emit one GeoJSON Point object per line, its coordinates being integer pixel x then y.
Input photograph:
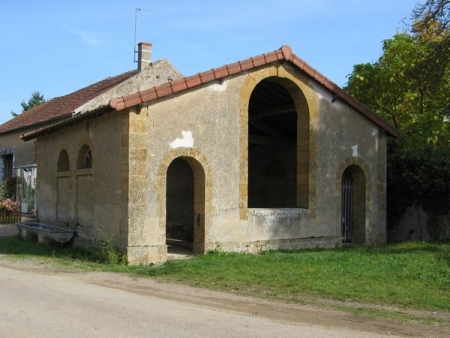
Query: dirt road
{"type": "Point", "coordinates": [36, 301]}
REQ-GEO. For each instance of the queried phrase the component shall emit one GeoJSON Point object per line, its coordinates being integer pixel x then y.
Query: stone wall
{"type": "Point", "coordinates": [24, 152]}
{"type": "Point", "coordinates": [87, 199]}
{"type": "Point", "coordinates": [124, 194]}
{"type": "Point", "coordinates": [209, 125]}
{"type": "Point", "coordinates": [418, 225]}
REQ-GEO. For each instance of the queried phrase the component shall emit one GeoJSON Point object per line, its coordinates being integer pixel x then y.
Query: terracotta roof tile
{"type": "Point", "coordinates": [279, 54]}
{"type": "Point", "coordinates": [234, 68]}
{"type": "Point", "coordinates": [148, 95]}
{"type": "Point", "coordinates": [284, 53]}
{"type": "Point", "coordinates": [221, 72]}
{"type": "Point", "coordinates": [259, 60]}
{"type": "Point", "coordinates": [246, 64]}
{"type": "Point", "coordinates": [319, 77]}
{"type": "Point", "coordinates": [207, 76]}
{"type": "Point", "coordinates": [63, 106]}
{"type": "Point", "coordinates": [271, 57]}
{"type": "Point", "coordinates": [179, 85]}
{"type": "Point", "coordinates": [287, 52]}
{"type": "Point", "coordinates": [193, 81]}
{"type": "Point", "coordinates": [133, 99]}
{"type": "Point", "coordinates": [118, 103]}
{"type": "Point", "coordinates": [164, 89]}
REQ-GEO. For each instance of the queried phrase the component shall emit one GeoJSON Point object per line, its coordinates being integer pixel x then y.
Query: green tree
{"type": "Point", "coordinates": [409, 85]}
{"type": "Point", "coordinates": [36, 99]}
{"type": "Point", "coordinates": [402, 87]}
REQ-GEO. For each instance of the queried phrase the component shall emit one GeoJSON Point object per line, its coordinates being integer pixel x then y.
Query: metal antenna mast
{"type": "Point", "coordinates": [136, 10]}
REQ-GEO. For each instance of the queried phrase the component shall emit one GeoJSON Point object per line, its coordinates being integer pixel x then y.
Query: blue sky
{"type": "Point", "coordinates": [57, 47]}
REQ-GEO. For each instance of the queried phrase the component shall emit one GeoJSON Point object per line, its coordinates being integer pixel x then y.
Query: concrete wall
{"type": "Point", "coordinates": [90, 199]}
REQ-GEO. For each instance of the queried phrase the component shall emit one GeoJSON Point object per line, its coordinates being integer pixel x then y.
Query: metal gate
{"type": "Point", "coordinates": [347, 207]}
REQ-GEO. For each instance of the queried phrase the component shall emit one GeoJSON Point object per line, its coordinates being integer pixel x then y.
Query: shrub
{"type": "Point", "coordinates": [418, 175]}
{"type": "Point", "coordinates": [9, 205]}
{"type": "Point", "coordinates": [9, 186]}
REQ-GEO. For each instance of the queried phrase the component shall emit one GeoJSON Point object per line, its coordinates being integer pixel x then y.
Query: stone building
{"type": "Point", "coordinates": [261, 154]}
{"type": "Point", "coordinates": [18, 158]}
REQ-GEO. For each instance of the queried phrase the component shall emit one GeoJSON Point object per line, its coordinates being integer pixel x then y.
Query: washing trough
{"type": "Point", "coordinates": [45, 231]}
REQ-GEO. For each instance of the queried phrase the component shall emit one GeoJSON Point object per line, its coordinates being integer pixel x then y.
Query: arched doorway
{"type": "Point", "coordinates": [353, 205]}
{"type": "Point", "coordinates": [185, 205]}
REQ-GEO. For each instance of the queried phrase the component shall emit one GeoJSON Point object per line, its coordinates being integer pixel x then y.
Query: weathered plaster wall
{"type": "Point", "coordinates": [89, 200]}
{"type": "Point", "coordinates": [288, 227]}
{"type": "Point", "coordinates": [125, 191]}
{"type": "Point", "coordinates": [204, 126]}
{"type": "Point", "coordinates": [210, 125]}
{"type": "Point", "coordinates": [346, 138]}
{"type": "Point", "coordinates": [158, 72]}
{"type": "Point", "coordinates": [24, 152]}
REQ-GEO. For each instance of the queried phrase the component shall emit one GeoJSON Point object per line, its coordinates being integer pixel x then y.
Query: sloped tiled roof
{"type": "Point", "coordinates": [283, 54]}
{"type": "Point", "coordinates": [63, 106]}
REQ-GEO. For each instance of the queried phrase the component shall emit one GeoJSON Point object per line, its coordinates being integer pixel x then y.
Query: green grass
{"type": "Point", "coordinates": [412, 275]}
{"type": "Point", "coordinates": [407, 275]}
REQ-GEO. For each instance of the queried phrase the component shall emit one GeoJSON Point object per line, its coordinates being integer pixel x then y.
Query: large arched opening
{"type": "Point", "coordinates": [278, 146]}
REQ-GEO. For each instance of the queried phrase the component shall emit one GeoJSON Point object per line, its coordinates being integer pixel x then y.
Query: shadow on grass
{"type": "Point", "coordinates": [15, 245]}
{"type": "Point", "coordinates": [441, 251]}
{"type": "Point", "coordinates": [394, 248]}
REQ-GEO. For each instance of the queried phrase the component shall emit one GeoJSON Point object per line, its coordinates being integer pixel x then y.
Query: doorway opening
{"type": "Point", "coordinates": [8, 164]}
{"type": "Point", "coordinates": [185, 206]}
{"type": "Point", "coordinates": [353, 205]}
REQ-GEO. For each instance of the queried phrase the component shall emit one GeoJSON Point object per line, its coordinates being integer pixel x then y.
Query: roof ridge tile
{"type": "Point", "coordinates": [284, 53]}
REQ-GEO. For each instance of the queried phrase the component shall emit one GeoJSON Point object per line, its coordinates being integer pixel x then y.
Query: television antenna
{"type": "Point", "coordinates": [136, 11]}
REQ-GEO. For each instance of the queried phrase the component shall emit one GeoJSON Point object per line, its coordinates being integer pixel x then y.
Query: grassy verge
{"type": "Point", "coordinates": [407, 275]}
{"type": "Point", "coordinates": [410, 275]}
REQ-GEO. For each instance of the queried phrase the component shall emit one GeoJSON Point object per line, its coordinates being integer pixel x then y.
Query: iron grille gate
{"type": "Point", "coordinates": [347, 208]}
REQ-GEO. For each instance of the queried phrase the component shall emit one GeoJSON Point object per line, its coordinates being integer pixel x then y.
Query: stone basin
{"type": "Point", "coordinates": [45, 232]}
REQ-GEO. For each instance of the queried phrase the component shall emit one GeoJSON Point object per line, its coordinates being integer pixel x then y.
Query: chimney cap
{"type": "Point", "coordinates": [144, 55]}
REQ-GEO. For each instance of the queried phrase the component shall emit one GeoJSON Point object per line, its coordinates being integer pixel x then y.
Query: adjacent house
{"type": "Point", "coordinates": [264, 153]}
{"type": "Point", "coordinates": [18, 158]}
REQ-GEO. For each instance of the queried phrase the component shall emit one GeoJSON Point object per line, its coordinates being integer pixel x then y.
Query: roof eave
{"type": "Point", "coordinates": [36, 125]}
{"type": "Point", "coordinates": [283, 54]}
{"type": "Point", "coordinates": [65, 123]}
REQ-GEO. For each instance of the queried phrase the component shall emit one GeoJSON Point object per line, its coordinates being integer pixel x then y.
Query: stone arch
{"type": "Point", "coordinates": [85, 186]}
{"type": "Point", "coordinates": [353, 187]}
{"type": "Point", "coordinates": [202, 205]}
{"type": "Point", "coordinates": [304, 100]}
{"type": "Point", "coordinates": [85, 160]}
{"type": "Point", "coordinates": [63, 163]}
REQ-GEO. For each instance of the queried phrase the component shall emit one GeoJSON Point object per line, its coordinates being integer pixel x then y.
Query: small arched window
{"type": "Point", "coordinates": [63, 161]}
{"type": "Point", "coordinates": [84, 158]}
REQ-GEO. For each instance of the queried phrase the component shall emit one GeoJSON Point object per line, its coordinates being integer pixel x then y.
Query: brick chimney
{"type": "Point", "coordinates": [144, 55]}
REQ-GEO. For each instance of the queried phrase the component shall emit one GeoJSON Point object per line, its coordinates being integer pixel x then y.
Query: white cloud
{"type": "Point", "coordinates": [87, 38]}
